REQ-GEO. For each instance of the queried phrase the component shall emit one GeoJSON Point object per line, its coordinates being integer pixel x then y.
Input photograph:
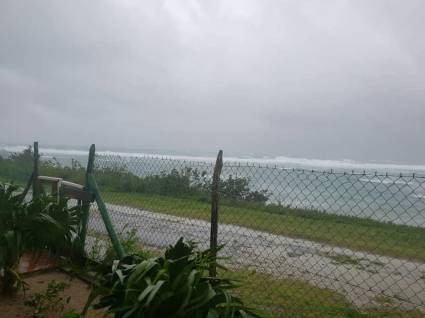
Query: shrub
{"type": "Point", "coordinates": [237, 189]}
{"type": "Point", "coordinates": [119, 178]}
{"type": "Point", "coordinates": [40, 225]}
{"type": "Point", "coordinates": [176, 285]}
{"type": "Point", "coordinates": [11, 241]}
{"type": "Point", "coordinates": [49, 225]}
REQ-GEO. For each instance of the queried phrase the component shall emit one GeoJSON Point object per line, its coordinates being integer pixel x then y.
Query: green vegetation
{"type": "Point", "coordinates": [102, 251]}
{"type": "Point", "coordinates": [179, 277]}
{"type": "Point", "coordinates": [49, 301]}
{"type": "Point", "coordinates": [17, 167]}
{"type": "Point", "coordinates": [41, 225]}
{"type": "Point", "coordinates": [72, 313]}
{"type": "Point", "coordinates": [291, 298]}
{"type": "Point", "coordinates": [11, 245]}
{"type": "Point", "coordinates": [186, 182]}
{"type": "Point", "coordinates": [186, 193]}
{"type": "Point", "coordinates": [355, 233]}
{"type": "Point", "coordinates": [175, 285]}
{"type": "Point", "coordinates": [295, 299]}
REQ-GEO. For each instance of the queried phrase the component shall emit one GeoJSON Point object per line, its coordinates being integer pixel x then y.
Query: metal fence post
{"type": "Point", "coordinates": [35, 183]}
{"type": "Point", "coordinates": [105, 216]}
{"type": "Point", "coordinates": [86, 205]}
{"type": "Point", "coordinates": [214, 209]}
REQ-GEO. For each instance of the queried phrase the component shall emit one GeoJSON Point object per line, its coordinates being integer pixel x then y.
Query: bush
{"type": "Point", "coordinates": [118, 178]}
{"type": "Point", "coordinates": [237, 189]}
{"type": "Point", "coordinates": [11, 240]}
{"type": "Point", "coordinates": [176, 285]}
{"type": "Point", "coordinates": [39, 225]}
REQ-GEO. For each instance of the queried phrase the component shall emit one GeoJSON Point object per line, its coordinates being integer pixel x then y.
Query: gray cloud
{"type": "Point", "coordinates": [332, 80]}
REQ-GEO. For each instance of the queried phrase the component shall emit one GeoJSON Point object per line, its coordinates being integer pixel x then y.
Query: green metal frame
{"type": "Point", "coordinates": [90, 186]}
{"type": "Point", "coordinates": [105, 216]}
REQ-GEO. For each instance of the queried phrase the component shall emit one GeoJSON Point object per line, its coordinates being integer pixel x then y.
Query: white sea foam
{"type": "Point", "coordinates": [344, 164]}
{"type": "Point", "coordinates": [280, 160]}
{"type": "Point", "coordinates": [13, 148]}
{"type": "Point", "coordinates": [387, 181]}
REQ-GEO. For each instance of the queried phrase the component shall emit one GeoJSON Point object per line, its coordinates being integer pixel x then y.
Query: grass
{"type": "Point", "coordinates": [344, 259]}
{"type": "Point", "coordinates": [387, 239]}
{"type": "Point", "coordinates": [291, 298]}
{"type": "Point", "coordinates": [361, 263]}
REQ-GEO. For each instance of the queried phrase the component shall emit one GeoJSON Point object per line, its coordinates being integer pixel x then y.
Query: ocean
{"type": "Point", "coordinates": [382, 191]}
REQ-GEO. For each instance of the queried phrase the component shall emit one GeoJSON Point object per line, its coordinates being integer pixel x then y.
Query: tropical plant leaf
{"type": "Point", "coordinates": [176, 285]}
{"type": "Point", "coordinates": [40, 225]}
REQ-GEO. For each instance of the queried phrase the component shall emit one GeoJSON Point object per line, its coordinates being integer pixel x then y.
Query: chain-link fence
{"type": "Point", "coordinates": [325, 233]}
{"type": "Point", "coordinates": [289, 235]}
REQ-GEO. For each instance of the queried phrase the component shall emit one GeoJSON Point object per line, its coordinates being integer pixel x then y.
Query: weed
{"type": "Point", "coordinates": [48, 301]}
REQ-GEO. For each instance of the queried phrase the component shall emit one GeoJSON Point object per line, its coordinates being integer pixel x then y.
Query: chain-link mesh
{"type": "Point", "coordinates": [361, 235]}
{"type": "Point", "coordinates": [97, 242]}
{"type": "Point", "coordinates": [16, 167]}
{"type": "Point", "coordinates": [290, 235]}
{"type": "Point", "coordinates": [161, 213]}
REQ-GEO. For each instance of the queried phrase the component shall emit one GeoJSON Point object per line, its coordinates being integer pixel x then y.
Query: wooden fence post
{"type": "Point", "coordinates": [35, 183]}
{"type": "Point", "coordinates": [86, 205]}
{"type": "Point", "coordinates": [214, 209]}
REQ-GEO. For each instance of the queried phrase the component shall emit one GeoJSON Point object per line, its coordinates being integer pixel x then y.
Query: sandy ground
{"type": "Point", "coordinates": [77, 291]}
{"type": "Point", "coordinates": [361, 277]}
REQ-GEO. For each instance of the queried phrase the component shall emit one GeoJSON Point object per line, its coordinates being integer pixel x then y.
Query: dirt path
{"type": "Point", "coordinates": [361, 277]}
{"type": "Point", "coordinates": [76, 290]}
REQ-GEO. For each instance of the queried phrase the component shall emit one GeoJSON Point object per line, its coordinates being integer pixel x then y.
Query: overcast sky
{"type": "Point", "coordinates": [317, 79]}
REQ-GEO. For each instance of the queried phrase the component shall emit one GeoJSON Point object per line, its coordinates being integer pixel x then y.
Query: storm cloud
{"type": "Point", "coordinates": [319, 79]}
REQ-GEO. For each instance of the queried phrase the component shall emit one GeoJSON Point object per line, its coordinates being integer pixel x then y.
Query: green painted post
{"type": "Point", "coordinates": [86, 205]}
{"type": "Point", "coordinates": [105, 216]}
{"type": "Point", "coordinates": [35, 183]}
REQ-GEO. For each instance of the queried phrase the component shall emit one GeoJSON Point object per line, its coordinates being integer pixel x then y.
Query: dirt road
{"type": "Point", "coordinates": [361, 277]}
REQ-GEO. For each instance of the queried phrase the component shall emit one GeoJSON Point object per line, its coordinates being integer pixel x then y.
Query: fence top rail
{"type": "Point", "coordinates": [62, 182]}
{"type": "Point", "coordinates": [49, 179]}
{"type": "Point", "coordinates": [202, 161]}
{"type": "Point", "coordinates": [339, 171]}
{"type": "Point", "coordinates": [68, 184]}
